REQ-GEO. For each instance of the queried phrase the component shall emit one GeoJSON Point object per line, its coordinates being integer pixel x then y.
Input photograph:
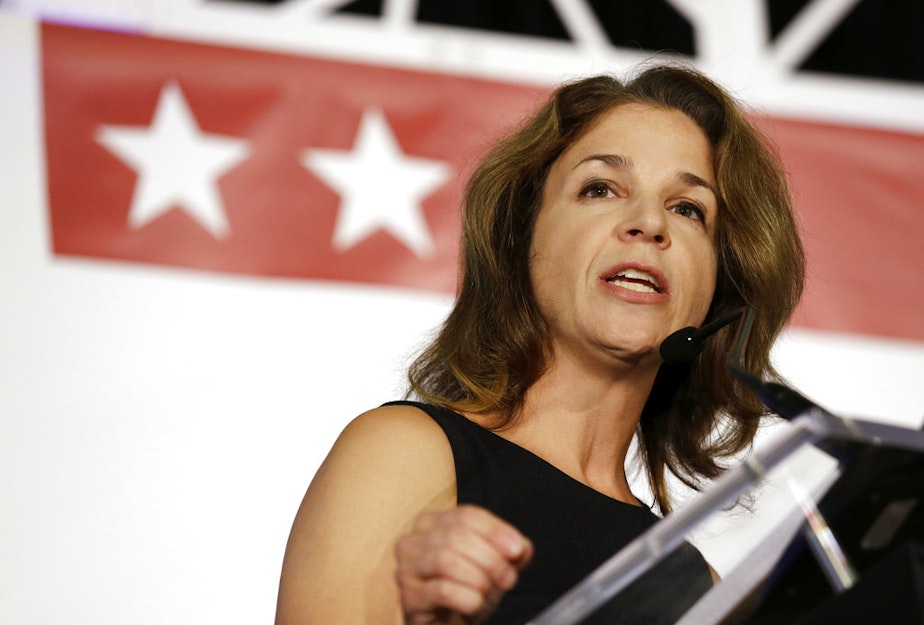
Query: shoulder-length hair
{"type": "Point", "coordinates": [494, 344]}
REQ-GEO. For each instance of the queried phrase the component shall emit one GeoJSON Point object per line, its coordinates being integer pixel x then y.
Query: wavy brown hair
{"type": "Point", "coordinates": [494, 344]}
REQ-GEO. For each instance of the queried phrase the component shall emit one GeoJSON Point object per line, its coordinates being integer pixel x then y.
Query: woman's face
{"type": "Point", "coordinates": [623, 247]}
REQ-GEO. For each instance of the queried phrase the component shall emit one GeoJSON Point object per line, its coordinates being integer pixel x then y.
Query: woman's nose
{"type": "Point", "coordinates": [645, 221]}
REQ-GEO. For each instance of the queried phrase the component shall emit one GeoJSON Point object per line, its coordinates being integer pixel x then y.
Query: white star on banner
{"type": "Point", "coordinates": [177, 164]}
{"type": "Point", "coordinates": [379, 186]}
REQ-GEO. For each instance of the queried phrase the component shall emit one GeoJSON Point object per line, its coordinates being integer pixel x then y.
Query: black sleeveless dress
{"type": "Point", "coordinates": [573, 528]}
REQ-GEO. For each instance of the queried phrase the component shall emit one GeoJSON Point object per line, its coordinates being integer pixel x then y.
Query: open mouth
{"type": "Point", "coordinates": [635, 280]}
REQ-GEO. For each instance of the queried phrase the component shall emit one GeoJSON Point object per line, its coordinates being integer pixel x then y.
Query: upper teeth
{"type": "Point", "coordinates": [636, 274]}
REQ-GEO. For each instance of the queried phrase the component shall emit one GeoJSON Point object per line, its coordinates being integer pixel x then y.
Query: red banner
{"type": "Point", "coordinates": [239, 161]}
{"type": "Point", "coordinates": [279, 165]}
{"type": "Point", "coordinates": [859, 194]}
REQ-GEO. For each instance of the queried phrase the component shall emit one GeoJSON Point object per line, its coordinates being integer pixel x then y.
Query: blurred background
{"type": "Point", "coordinates": [225, 227]}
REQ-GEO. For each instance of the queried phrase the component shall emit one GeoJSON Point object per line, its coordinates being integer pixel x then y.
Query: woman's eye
{"type": "Point", "coordinates": [691, 210]}
{"type": "Point", "coordinates": [597, 190]}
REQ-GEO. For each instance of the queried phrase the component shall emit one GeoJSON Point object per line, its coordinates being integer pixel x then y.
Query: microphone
{"type": "Point", "coordinates": [685, 344]}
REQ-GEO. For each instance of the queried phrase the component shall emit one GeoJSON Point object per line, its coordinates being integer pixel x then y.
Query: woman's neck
{"type": "Point", "coordinates": [583, 421]}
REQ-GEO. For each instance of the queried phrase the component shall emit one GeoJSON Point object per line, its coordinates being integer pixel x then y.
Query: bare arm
{"type": "Point", "coordinates": [390, 480]}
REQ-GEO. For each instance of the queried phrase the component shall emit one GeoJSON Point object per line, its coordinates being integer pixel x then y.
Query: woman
{"type": "Point", "coordinates": [616, 215]}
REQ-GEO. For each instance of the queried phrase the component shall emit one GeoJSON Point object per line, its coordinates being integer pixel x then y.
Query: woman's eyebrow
{"type": "Point", "coordinates": [613, 160]}
{"type": "Point", "coordinates": [692, 180]}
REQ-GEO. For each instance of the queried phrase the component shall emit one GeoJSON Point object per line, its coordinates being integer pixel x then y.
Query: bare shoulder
{"type": "Point", "coordinates": [387, 466]}
{"type": "Point", "coordinates": [397, 448]}
{"type": "Point", "coordinates": [395, 424]}
{"type": "Point", "coordinates": [393, 443]}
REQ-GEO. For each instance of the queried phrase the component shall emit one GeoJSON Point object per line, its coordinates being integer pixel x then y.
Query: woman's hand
{"type": "Point", "coordinates": [453, 567]}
